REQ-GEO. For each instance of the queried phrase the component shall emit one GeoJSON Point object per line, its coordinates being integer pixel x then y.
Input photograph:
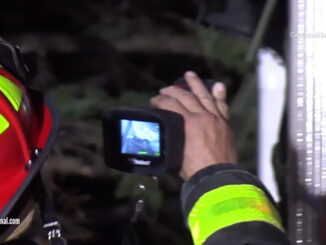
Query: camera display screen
{"type": "Point", "coordinates": [140, 138]}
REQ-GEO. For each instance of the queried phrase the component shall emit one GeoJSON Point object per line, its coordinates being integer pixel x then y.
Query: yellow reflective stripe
{"type": "Point", "coordinates": [229, 205]}
{"type": "Point", "coordinates": [13, 93]}
{"type": "Point", "coordinates": [4, 124]}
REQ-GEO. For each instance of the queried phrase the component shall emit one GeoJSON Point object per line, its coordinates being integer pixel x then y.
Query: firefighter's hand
{"type": "Point", "coordinates": [208, 137]}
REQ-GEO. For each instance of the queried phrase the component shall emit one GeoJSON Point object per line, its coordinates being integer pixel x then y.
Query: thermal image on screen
{"type": "Point", "coordinates": [140, 138]}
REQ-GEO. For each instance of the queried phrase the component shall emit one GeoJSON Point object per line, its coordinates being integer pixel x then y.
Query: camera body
{"type": "Point", "coordinates": [143, 140]}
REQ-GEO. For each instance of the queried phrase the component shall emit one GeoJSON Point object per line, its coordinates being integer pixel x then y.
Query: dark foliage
{"type": "Point", "coordinates": [90, 55]}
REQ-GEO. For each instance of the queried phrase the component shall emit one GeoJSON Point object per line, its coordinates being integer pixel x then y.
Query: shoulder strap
{"type": "Point", "coordinates": [48, 215]}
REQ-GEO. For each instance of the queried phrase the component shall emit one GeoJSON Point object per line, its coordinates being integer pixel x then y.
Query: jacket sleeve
{"type": "Point", "coordinates": [224, 204]}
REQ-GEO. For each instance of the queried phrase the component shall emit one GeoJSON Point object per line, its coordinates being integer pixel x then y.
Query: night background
{"type": "Point", "coordinates": [93, 55]}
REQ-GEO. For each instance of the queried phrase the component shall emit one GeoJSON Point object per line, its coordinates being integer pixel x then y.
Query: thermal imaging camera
{"type": "Point", "coordinates": [143, 140]}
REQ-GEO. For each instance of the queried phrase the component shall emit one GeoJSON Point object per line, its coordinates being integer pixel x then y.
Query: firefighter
{"type": "Point", "coordinates": [28, 125]}
{"type": "Point", "coordinates": [222, 202]}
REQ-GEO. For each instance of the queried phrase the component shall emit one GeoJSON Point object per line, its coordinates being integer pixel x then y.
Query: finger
{"type": "Point", "coordinates": [187, 99]}
{"type": "Point", "coordinates": [219, 92]}
{"type": "Point", "coordinates": [199, 90]}
{"type": "Point", "coordinates": [168, 103]}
